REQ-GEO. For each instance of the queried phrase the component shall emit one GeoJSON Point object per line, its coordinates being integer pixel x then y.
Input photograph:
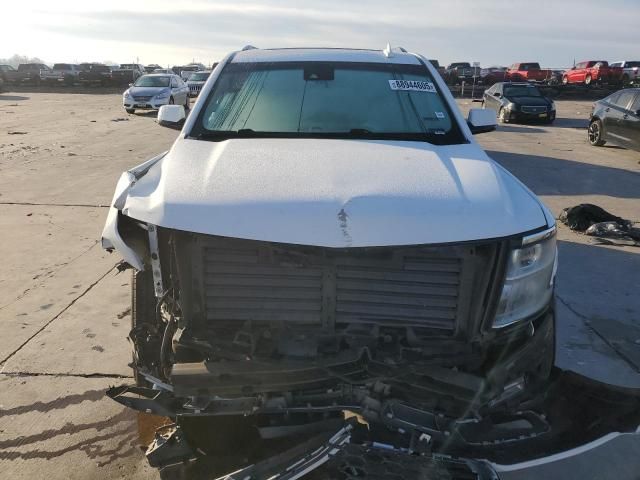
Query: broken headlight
{"type": "Point", "coordinates": [528, 285]}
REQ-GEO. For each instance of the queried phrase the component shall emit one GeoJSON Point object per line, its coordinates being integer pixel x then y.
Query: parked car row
{"type": "Point", "coordinates": [88, 73]}
{"type": "Point", "coordinates": [590, 72]}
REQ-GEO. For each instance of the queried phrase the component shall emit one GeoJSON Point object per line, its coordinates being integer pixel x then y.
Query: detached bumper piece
{"type": "Point", "coordinates": [349, 454]}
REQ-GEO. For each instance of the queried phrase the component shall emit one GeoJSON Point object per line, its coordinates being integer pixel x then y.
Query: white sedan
{"type": "Point", "coordinates": [150, 92]}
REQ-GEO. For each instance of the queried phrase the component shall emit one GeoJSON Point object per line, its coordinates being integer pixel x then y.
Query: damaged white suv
{"type": "Point", "coordinates": [326, 235]}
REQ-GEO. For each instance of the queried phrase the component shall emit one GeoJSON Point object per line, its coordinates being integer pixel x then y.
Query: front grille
{"type": "Point", "coordinates": [240, 285]}
{"type": "Point", "coordinates": [195, 88]}
{"type": "Point", "coordinates": [253, 281]}
{"type": "Point", "coordinates": [534, 109]}
{"type": "Point", "coordinates": [142, 99]}
{"type": "Point", "coordinates": [417, 291]}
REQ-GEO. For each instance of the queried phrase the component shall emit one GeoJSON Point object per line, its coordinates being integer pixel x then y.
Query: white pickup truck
{"type": "Point", "coordinates": [631, 70]}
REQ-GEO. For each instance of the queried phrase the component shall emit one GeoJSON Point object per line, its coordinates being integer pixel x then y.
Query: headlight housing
{"type": "Point", "coordinates": [530, 276]}
{"type": "Point", "coordinates": [553, 106]}
{"type": "Point", "coordinates": [126, 94]}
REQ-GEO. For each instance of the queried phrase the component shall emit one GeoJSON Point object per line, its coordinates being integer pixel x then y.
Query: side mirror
{"type": "Point", "coordinates": [482, 120]}
{"type": "Point", "coordinates": [171, 116]}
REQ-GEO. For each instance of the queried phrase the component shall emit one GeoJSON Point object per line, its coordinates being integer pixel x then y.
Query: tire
{"type": "Point", "coordinates": [501, 116]}
{"type": "Point", "coordinates": [130, 110]}
{"type": "Point", "coordinates": [143, 312]}
{"type": "Point", "coordinates": [595, 133]}
{"type": "Point", "coordinates": [587, 80]}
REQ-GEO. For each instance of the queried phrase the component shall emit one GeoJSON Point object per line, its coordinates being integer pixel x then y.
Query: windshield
{"type": "Point", "coordinates": [295, 99]}
{"type": "Point", "coordinates": [152, 81]}
{"type": "Point", "coordinates": [199, 77]}
{"type": "Point", "coordinates": [521, 91]}
{"type": "Point", "coordinates": [127, 66]}
{"type": "Point", "coordinates": [632, 64]}
{"type": "Point", "coordinates": [62, 66]}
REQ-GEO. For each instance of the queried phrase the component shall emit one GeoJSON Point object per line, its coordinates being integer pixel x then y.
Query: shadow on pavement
{"type": "Point", "coordinates": [549, 176]}
{"type": "Point", "coordinates": [104, 440]}
{"type": "Point", "coordinates": [14, 98]}
{"type": "Point", "coordinates": [577, 123]}
{"type": "Point", "coordinates": [514, 129]}
{"type": "Point", "coordinates": [600, 281]}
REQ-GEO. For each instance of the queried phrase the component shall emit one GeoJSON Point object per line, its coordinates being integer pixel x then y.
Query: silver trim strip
{"type": "Point", "coordinates": [538, 237]}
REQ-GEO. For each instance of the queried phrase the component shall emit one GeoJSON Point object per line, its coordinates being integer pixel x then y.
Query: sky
{"type": "Point", "coordinates": [492, 32]}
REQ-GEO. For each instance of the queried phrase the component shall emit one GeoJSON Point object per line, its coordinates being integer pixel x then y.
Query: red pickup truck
{"type": "Point", "coordinates": [528, 72]}
{"type": "Point", "coordinates": [593, 71]}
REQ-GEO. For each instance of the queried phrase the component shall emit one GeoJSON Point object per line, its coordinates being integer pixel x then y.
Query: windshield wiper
{"type": "Point", "coordinates": [359, 131]}
{"type": "Point", "coordinates": [226, 134]}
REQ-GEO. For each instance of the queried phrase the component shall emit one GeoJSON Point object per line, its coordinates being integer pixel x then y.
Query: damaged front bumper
{"type": "Point", "coordinates": [575, 420]}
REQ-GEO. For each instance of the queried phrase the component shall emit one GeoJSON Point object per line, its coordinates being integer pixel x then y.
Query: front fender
{"type": "Point", "coordinates": [111, 237]}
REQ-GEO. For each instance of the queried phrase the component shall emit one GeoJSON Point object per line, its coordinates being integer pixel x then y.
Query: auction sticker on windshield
{"type": "Point", "coordinates": [412, 85]}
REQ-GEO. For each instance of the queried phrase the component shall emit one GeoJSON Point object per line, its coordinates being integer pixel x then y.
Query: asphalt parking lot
{"type": "Point", "coordinates": [64, 307]}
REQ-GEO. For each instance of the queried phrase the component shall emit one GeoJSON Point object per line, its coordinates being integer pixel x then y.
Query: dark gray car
{"type": "Point", "coordinates": [616, 119]}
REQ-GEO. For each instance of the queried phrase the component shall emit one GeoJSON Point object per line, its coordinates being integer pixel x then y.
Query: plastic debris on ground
{"type": "Point", "coordinates": [606, 228]}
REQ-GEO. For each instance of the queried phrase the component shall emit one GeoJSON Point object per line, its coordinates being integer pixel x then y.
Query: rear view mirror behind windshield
{"type": "Point", "coordinates": [320, 71]}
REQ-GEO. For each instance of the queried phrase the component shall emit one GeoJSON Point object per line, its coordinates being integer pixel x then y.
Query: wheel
{"type": "Point", "coordinates": [565, 80]}
{"type": "Point", "coordinates": [502, 116]}
{"type": "Point", "coordinates": [587, 80]}
{"type": "Point", "coordinates": [171, 101]}
{"type": "Point", "coordinates": [144, 323]}
{"type": "Point", "coordinates": [130, 110]}
{"type": "Point", "coordinates": [594, 133]}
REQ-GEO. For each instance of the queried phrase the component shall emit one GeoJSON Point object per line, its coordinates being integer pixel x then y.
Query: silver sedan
{"type": "Point", "coordinates": [150, 92]}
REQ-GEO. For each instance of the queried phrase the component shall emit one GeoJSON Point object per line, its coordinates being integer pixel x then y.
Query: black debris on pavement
{"type": "Point", "coordinates": [584, 215]}
{"type": "Point", "coordinates": [608, 229]}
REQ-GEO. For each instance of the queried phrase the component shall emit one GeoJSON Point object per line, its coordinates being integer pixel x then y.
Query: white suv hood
{"type": "Point", "coordinates": [333, 193]}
